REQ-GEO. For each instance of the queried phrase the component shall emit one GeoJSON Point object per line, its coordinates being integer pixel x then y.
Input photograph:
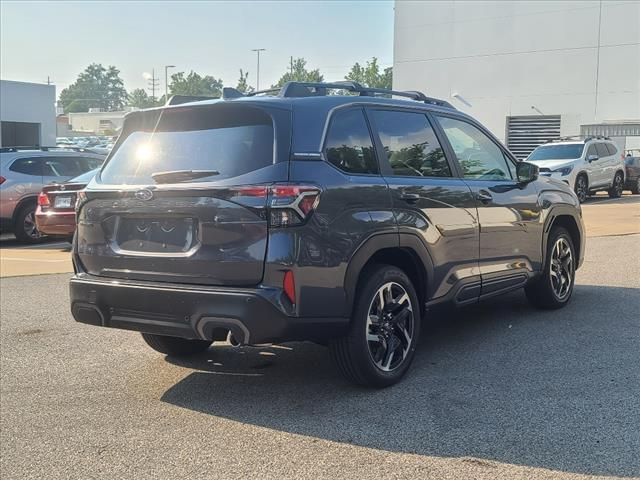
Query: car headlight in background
{"type": "Point", "coordinates": [564, 170]}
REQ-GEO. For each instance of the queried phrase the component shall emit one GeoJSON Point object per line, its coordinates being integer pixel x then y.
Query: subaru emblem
{"type": "Point", "coordinates": [144, 194]}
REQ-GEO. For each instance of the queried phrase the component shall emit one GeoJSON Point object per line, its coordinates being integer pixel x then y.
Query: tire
{"type": "Point", "coordinates": [175, 346]}
{"type": "Point", "coordinates": [25, 228]}
{"type": "Point", "coordinates": [368, 337]}
{"type": "Point", "coordinates": [635, 189]}
{"type": "Point", "coordinates": [618, 185]}
{"type": "Point", "coordinates": [547, 291]}
{"type": "Point", "coordinates": [582, 187]}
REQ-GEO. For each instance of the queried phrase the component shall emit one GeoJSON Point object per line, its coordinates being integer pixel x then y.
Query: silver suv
{"type": "Point", "coordinates": [586, 164]}
{"type": "Point", "coordinates": [24, 171]}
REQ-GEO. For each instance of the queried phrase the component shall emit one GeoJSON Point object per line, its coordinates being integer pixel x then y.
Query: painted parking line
{"type": "Point", "coordinates": [37, 260]}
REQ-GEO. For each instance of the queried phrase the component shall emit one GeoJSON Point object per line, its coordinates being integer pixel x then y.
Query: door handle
{"type": "Point", "coordinates": [410, 197]}
{"type": "Point", "coordinates": [484, 196]}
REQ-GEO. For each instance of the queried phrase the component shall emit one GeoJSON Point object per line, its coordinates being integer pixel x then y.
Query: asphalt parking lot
{"type": "Point", "coordinates": [498, 390]}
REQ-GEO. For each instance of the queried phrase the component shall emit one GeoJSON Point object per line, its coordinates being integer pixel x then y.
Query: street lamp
{"type": "Point", "coordinates": [258, 50]}
{"type": "Point", "coordinates": [166, 82]}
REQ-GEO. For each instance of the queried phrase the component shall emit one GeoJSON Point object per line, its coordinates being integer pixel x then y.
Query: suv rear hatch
{"type": "Point", "coordinates": [182, 197]}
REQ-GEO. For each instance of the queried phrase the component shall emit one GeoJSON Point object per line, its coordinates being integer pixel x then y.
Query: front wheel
{"type": "Point", "coordinates": [384, 329]}
{"type": "Point", "coordinates": [175, 346]}
{"type": "Point", "coordinates": [616, 188]}
{"type": "Point", "coordinates": [554, 287]}
{"type": "Point", "coordinates": [582, 187]}
{"type": "Point", "coordinates": [635, 189]}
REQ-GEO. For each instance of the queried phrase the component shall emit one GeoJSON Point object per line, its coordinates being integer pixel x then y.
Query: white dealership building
{"type": "Point", "coordinates": [528, 70]}
{"type": "Point", "coordinates": [27, 114]}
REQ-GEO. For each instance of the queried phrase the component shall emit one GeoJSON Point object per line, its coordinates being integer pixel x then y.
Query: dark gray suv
{"type": "Point", "coordinates": [293, 214]}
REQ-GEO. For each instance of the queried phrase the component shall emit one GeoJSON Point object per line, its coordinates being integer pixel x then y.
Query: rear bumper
{"type": "Point", "coordinates": [56, 223]}
{"type": "Point", "coordinates": [208, 313]}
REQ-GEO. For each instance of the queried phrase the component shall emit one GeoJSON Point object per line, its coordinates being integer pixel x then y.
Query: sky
{"type": "Point", "coordinates": [58, 39]}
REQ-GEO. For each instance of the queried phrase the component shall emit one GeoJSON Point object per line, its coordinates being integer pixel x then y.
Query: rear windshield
{"type": "Point", "coordinates": [85, 177]}
{"type": "Point", "coordinates": [228, 142]}
{"type": "Point", "coordinates": [557, 152]}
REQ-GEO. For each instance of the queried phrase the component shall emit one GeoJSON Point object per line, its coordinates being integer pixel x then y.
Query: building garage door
{"type": "Point", "coordinates": [20, 134]}
{"type": "Point", "coordinates": [524, 133]}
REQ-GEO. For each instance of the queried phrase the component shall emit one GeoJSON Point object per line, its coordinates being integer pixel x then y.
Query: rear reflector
{"type": "Point", "coordinates": [2, 179]}
{"type": "Point", "coordinates": [289, 286]}
{"type": "Point", "coordinates": [43, 199]}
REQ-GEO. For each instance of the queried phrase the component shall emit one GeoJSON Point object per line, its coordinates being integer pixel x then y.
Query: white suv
{"type": "Point", "coordinates": [587, 165]}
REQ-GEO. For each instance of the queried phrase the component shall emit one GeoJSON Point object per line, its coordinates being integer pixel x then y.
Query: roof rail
{"type": "Point", "coordinates": [578, 137]}
{"type": "Point", "coordinates": [180, 99]}
{"type": "Point", "coordinates": [45, 149]}
{"type": "Point", "coordinates": [317, 89]}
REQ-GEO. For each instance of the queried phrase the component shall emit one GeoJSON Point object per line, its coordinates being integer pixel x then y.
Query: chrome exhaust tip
{"type": "Point", "coordinates": [232, 340]}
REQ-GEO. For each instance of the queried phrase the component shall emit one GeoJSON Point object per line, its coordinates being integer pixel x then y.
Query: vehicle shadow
{"type": "Point", "coordinates": [497, 381]}
{"type": "Point", "coordinates": [626, 198]}
{"type": "Point", "coordinates": [9, 241]}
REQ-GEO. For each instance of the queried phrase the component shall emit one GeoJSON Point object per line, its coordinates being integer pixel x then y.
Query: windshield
{"type": "Point", "coordinates": [557, 152]}
{"type": "Point", "coordinates": [85, 177]}
{"type": "Point", "coordinates": [227, 143]}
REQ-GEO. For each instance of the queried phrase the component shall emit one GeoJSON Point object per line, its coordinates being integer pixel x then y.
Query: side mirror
{"type": "Point", "coordinates": [527, 172]}
{"type": "Point", "coordinates": [592, 158]}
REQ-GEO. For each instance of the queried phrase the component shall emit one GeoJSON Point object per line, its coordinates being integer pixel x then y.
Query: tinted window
{"type": "Point", "coordinates": [349, 145]}
{"type": "Point", "coordinates": [602, 150]}
{"type": "Point", "coordinates": [231, 141]}
{"type": "Point", "coordinates": [90, 163]}
{"type": "Point", "coordinates": [61, 167]}
{"type": "Point", "coordinates": [557, 152]}
{"type": "Point", "coordinates": [479, 157]}
{"type": "Point", "coordinates": [410, 144]}
{"type": "Point", "coordinates": [27, 166]}
{"type": "Point", "coordinates": [611, 148]}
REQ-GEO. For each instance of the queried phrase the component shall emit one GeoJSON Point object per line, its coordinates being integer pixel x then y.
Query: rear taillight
{"type": "Point", "coordinates": [289, 286]}
{"type": "Point", "coordinates": [43, 200]}
{"type": "Point", "coordinates": [291, 205]}
{"type": "Point", "coordinates": [287, 205]}
{"type": "Point", "coordinates": [2, 179]}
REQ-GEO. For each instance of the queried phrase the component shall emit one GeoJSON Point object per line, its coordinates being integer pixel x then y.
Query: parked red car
{"type": "Point", "coordinates": [56, 215]}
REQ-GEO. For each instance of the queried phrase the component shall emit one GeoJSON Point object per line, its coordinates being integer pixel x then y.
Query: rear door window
{"type": "Point", "coordinates": [602, 150]}
{"type": "Point", "coordinates": [27, 166]}
{"type": "Point", "coordinates": [228, 142]}
{"type": "Point", "coordinates": [611, 148]}
{"type": "Point", "coordinates": [349, 146]}
{"type": "Point", "coordinates": [410, 144]}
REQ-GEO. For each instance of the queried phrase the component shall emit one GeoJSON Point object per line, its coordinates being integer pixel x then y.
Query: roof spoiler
{"type": "Point", "coordinates": [180, 99]}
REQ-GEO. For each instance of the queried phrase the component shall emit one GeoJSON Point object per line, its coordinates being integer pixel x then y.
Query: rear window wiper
{"type": "Point", "coordinates": [182, 175]}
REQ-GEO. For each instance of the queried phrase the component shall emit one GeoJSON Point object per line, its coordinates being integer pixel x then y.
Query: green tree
{"type": "Point", "coordinates": [370, 75]}
{"type": "Point", "coordinates": [194, 84]}
{"type": "Point", "coordinates": [243, 85]}
{"type": "Point", "coordinates": [299, 73]}
{"type": "Point", "coordinates": [140, 98]}
{"type": "Point", "coordinates": [95, 87]}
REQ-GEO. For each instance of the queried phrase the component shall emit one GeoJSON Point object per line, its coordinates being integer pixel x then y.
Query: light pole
{"type": "Point", "coordinates": [258, 50]}
{"type": "Point", "coordinates": [166, 82]}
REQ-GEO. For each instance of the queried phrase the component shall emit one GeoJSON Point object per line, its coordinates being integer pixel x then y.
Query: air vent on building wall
{"type": "Point", "coordinates": [524, 133]}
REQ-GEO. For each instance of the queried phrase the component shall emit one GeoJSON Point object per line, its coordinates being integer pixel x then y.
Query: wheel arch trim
{"type": "Point", "coordinates": [556, 212]}
{"type": "Point", "coordinates": [375, 244]}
